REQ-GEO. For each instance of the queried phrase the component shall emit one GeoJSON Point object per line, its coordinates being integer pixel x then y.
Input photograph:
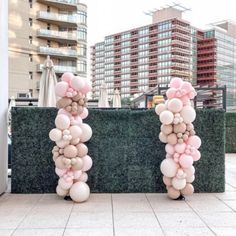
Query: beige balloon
{"type": "Point", "coordinates": [163, 137]}
{"type": "Point", "coordinates": [82, 149]}
{"type": "Point", "coordinates": [166, 129]}
{"type": "Point", "coordinates": [70, 151]}
{"type": "Point", "coordinates": [78, 165]}
{"type": "Point", "coordinates": [172, 139]}
{"type": "Point", "coordinates": [173, 193]}
{"type": "Point", "coordinates": [188, 190]}
{"type": "Point", "coordinates": [79, 192]}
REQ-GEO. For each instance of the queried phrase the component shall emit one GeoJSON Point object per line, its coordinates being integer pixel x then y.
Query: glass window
{"type": "Point", "coordinates": [82, 34]}
{"type": "Point", "coordinates": [125, 36]}
{"type": "Point", "coordinates": [164, 25]}
{"type": "Point", "coordinates": [82, 50]}
{"type": "Point", "coordinates": [82, 66]}
{"type": "Point", "coordinates": [144, 31]}
{"type": "Point", "coordinates": [82, 17]}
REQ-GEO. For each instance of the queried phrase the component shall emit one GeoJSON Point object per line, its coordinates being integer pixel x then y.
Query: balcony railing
{"type": "Point", "coordinates": [59, 68]}
{"type": "Point", "coordinates": [58, 17]}
{"type": "Point", "coordinates": [58, 51]}
{"type": "Point", "coordinates": [57, 34]}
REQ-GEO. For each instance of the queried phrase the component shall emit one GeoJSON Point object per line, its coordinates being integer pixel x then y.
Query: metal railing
{"type": "Point", "coordinates": [59, 68]}
{"type": "Point", "coordinates": [57, 34]}
{"type": "Point", "coordinates": [58, 51]}
{"type": "Point", "coordinates": [58, 17]}
{"type": "Point", "coordinates": [73, 2]}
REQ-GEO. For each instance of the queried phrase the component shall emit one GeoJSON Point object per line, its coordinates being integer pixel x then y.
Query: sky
{"type": "Point", "coordinates": [106, 17]}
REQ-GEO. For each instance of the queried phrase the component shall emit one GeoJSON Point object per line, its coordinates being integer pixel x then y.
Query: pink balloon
{"type": "Point", "coordinates": [185, 99]}
{"type": "Point", "coordinates": [64, 112]}
{"type": "Point", "coordinates": [176, 83]}
{"type": "Point", "coordinates": [87, 160]}
{"type": "Point", "coordinates": [187, 87]}
{"type": "Point", "coordinates": [61, 88]}
{"type": "Point", "coordinates": [169, 149]}
{"type": "Point", "coordinates": [196, 155]}
{"type": "Point", "coordinates": [87, 86]}
{"type": "Point", "coordinates": [84, 114]}
{"type": "Point", "coordinates": [77, 83]}
{"type": "Point", "coordinates": [60, 172]}
{"type": "Point", "coordinates": [180, 148]}
{"type": "Point", "coordinates": [185, 161]}
{"type": "Point", "coordinates": [170, 93]}
{"type": "Point", "coordinates": [77, 174]}
{"type": "Point", "coordinates": [67, 77]}
{"type": "Point", "coordinates": [194, 141]}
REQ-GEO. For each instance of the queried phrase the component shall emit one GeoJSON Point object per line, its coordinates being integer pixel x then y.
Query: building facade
{"type": "Point", "coordinates": [38, 28]}
{"type": "Point", "coordinates": [138, 60]}
{"type": "Point", "coordinates": [217, 59]}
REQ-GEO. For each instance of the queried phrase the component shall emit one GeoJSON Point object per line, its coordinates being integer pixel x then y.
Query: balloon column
{"type": "Point", "coordinates": [70, 153]}
{"type": "Point", "coordinates": [182, 145]}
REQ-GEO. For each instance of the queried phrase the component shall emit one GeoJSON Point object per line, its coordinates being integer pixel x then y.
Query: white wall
{"type": "Point", "coordinates": [3, 92]}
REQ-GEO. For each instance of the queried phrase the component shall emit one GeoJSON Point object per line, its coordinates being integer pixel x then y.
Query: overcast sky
{"type": "Point", "coordinates": [112, 16]}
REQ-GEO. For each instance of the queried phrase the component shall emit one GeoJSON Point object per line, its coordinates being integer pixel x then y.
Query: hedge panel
{"type": "Point", "coordinates": [230, 132]}
{"type": "Point", "coordinates": [125, 149]}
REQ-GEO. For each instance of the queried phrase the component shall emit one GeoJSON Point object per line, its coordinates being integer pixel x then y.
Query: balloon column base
{"type": "Point", "coordinates": [180, 198]}
{"type": "Point", "coordinates": [67, 198]}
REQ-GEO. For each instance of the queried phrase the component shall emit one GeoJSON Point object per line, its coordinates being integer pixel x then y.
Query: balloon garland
{"type": "Point", "coordinates": [182, 145]}
{"type": "Point", "coordinates": [70, 153]}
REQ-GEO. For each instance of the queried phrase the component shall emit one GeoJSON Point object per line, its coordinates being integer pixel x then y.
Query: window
{"type": "Point", "coordinates": [48, 9]}
{"type": "Point", "coordinates": [125, 44]}
{"type": "Point", "coordinates": [144, 31]}
{"type": "Point", "coordinates": [109, 40]}
{"type": "Point", "coordinates": [82, 50]}
{"type": "Point", "coordinates": [48, 43]}
{"type": "Point", "coordinates": [30, 93]}
{"type": "Point", "coordinates": [30, 57]}
{"type": "Point", "coordinates": [82, 66]}
{"type": "Point", "coordinates": [164, 35]}
{"type": "Point", "coordinates": [82, 15]}
{"type": "Point", "coordinates": [82, 34]}
{"type": "Point", "coordinates": [125, 36]}
{"type": "Point", "coordinates": [30, 22]}
{"type": "Point", "coordinates": [30, 75]}
{"type": "Point", "coordinates": [164, 25]}
{"type": "Point", "coordinates": [48, 26]}
{"type": "Point", "coordinates": [30, 39]}
{"type": "Point", "coordinates": [30, 3]}
{"type": "Point", "coordinates": [143, 39]}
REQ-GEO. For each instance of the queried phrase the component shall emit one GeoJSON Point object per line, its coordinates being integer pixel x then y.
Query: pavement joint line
{"type": "Point", "coordinates": [68, 218]}
{"type": "Point", "coordinates": [112, 211]}
{"type": "Point", "coordinates": [159, 223]}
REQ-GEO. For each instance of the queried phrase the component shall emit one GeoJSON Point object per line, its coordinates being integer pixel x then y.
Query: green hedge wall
{"type": "Point", "coordinates": [125, 149]}
{"type": "Point", "coordinates": [230, 132]}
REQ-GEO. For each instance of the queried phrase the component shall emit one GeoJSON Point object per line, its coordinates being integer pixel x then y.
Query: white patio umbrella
{"type": "Point", "coordinates": [11, 104]}
{"type": "Point", "coordinates": [116, 99]}
{"type": "Point", "coordinates": [47, 96]}
{"type": "Point", "coordinates": [103, 96]}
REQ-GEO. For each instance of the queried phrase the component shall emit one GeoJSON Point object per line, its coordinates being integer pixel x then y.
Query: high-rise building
{"type": "Point", "coordinates": [139, 59]}
{"type": "Point", "coordinates": [217, 59]}
{"type": "Point", "coordinates": [38, 28]}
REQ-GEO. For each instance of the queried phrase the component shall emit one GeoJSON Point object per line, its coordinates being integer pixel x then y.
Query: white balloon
{"type": "Point", "coordinates": [84, 177]}
{"type": "Point", "coordinates": [79, 192]}
{"type": "Point", "coordinates": [64, 184]}
{"type": "Point", "coordinates": [188, 114]}
{"type": "Point", "coordinates": [62, 122]}
{"type": "Point", "coordinates": [166, 117]}
{"type": "Point", "coordinates": [160, 108]}
{"type": "Point", "coordinates": [75, 131]}
{"type": "Point", "coordinates": [62, 143]}
{"type": "Point", "coordinates": [55, 134]}
{"type": "Point", "coordinates": [61, 192]}
{"type": "Point", "coordinates": [86, 132]}
{"type": "Point", "coordinates": [189, 171]}
{"type": "Point", "coordinates": [77, 83]}
{"type": "Point", "coordinates": [169, 167]}
{"type": "Point", "coordinates": [175, 105]}
{"type": "Point", "coordinates": [178, 183]}
{"type": "Point", "coordinates": [190, 179]}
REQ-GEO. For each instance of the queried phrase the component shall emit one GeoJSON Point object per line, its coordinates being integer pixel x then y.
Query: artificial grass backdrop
{"type": "Point", "coordinates": [230, 132]}
{"type": "Point", "coordinates": [125, 149]}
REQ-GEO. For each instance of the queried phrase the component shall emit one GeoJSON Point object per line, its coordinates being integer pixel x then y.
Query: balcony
{"type": "Point", "coordinates": [65, 20]}
{"type": "Point", "coordinates": [69, 5]}
{"type": "Point", "coordinates": [58, 36]}
{"type": "Point", "coordinates": [58, 52]}
{"type": "Point", "coordinates": [59, 69]}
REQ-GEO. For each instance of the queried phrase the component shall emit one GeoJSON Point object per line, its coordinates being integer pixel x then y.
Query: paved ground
{"type": "Point", "coordinates": [122, 214]}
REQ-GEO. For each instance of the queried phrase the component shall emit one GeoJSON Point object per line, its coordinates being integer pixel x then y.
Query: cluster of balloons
{"type": "Point", "coordinates": [177, 131]}
{"type": "Point", "coordinates": [70, 153]}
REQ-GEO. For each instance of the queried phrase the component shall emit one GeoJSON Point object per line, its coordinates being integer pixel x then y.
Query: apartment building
{"type": "Point", "coordinates": [139, 59]}
{"type": "Point", "coordinates": [38, 28]}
